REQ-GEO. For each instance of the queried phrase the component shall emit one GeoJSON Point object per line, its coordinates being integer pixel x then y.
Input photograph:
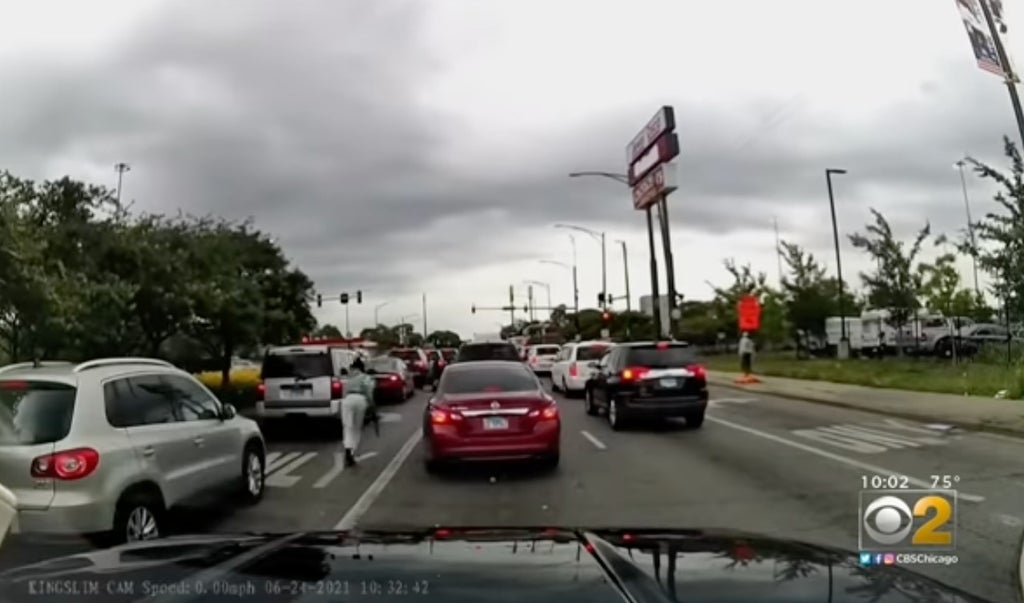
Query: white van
{"type": "Point", "coordinates": [303, 380]}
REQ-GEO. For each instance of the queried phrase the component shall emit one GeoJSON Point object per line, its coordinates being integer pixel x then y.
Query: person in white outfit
{"type": "Point", "coordinates": [746, 353]}
{"type": "Point", "coordinates": [358, 397]}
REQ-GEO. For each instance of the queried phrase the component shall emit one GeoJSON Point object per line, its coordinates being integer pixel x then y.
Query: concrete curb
{"type": "Point", "coordinates": [983, 427]}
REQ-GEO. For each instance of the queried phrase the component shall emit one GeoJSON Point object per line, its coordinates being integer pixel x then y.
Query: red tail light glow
{"type": "Point", "coordinates": [574, 371]}
{"type": "Point", "coordinates": [440, 416]}
{"type": "Point", "coordinates": [13, 385]}
{"type": "Point", "coordinates": [393, 378]}
{"type": "Point", "coordinates": [492, 388]}
{"type": "Point", "coordinates": [549, 413]}
{"type": "Point", "coordinates": [261, 391]}
{"type": "Point", "coordinates": [336, 389]}
{"type": "Point", "coordinates": [533, 360]}
{"type": "Point", "coordinates": [632, 373]}
{"type": "Point", "coordinates": [67, 465]}
{"type": "Point", "coordinates": [698, 371]}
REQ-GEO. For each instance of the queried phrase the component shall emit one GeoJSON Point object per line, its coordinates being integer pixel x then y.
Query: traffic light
{"type": "Point", "coordinates": [319, 300]}
{"type": "Point", "coordinates": [600, 298]}
{"type": "Point", "coordinates": [359, 296]}
{"type": "Point", "coordinates": [472, 309]}
{"type": "Point", "coordinates": [344, 298]}
{"type": "Point", "coordinates": [606, 317]}
{"type": "Point", "coordinates": [610, 300]}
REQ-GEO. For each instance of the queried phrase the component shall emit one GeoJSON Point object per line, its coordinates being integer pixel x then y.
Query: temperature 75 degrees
{"type": "Point", "coordinates": [945, 482]}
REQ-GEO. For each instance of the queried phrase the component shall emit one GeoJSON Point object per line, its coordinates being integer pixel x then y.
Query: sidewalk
{"type": "Point", "coordinates": [968, 412]}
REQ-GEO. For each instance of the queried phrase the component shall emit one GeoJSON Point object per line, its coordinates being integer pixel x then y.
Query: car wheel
{"type": "Point", "coordinates": [139, 517]}
{"type": "Point", "coordinates": [588, 403]}
{"type": "Point", "coordinates": [253, 474]}
{"type": "Point", "coordinates": [695, 420]}
{"type": "Point", "coordinates": [614, 418]}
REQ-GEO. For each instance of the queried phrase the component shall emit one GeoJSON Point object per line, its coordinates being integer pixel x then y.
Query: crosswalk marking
{"type": "Point", "coordinates": [872, 438]}
{"type": "Point", "coordinates": [275, 460]}
{"type": "Point", "coordinates": [282, 479]}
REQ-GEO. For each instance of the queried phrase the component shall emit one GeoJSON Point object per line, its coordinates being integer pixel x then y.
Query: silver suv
{"type": "Point", "coordinates": [304, 380]}
{"type": "Point", "coordinates": [107, 446]}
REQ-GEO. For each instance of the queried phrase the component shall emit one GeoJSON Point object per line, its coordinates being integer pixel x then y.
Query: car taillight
{"type": "Point", "coordinates": [261, 391]}
{"type": "Point", "coordinates": [633, 373]}
{"type": "Point", "coordinates": [533, 360]}
{"type": "Point", "coordinates": [336, 389]}
{"type": "Point", "coordinates": [549, 413]}
{"type": "Point", "coordinates": [440, 416]}
{"type": "Point", "coordinates": [574, 371]}
{"type": "Point", "coordinates": [393, 378]}
{"type": "Point", "coordinates": [67, 465]}
{"type": "Point", "coordinates": [698, 371]}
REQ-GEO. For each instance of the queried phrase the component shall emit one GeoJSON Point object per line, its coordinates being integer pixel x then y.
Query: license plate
{"type": "Point", "coordinates": [300, 393]}
{"type": "Point", "coordinates": [495, 423]}
{"type": "Point", "coordinates": [667, 382]}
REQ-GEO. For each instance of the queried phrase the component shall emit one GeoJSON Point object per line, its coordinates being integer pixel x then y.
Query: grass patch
{"type": "Point", "coordinates": [923, 375]}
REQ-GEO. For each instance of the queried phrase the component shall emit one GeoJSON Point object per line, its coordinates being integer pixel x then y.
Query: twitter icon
{"type": "Point", "coordinates": [865, 558]}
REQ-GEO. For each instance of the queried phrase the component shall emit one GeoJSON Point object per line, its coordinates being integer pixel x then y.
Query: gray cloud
{"type": "Point", "coordinates": [307, 118]}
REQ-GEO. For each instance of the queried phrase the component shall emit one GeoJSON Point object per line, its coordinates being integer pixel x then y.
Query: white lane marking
{"type": "Point", "coordinates": [281, 479]}
{"type": "Point", "coordinates": [271, 458]}
{"type": "Point", "coordinates": [279, 460]}
{"type": "Point", "coordinates": [715, 401]}
{"type": "Point", "coordinates": [875, 469]}
{"type": "Point", "coordinates": [348, 521]}
{"type": "Point", "coordinates": [869, 438]}
{"type": "Point", "coordinates": [390, 417]}
{"type": "Point", "coordinates": [1009, 520]}
{"type": "Point", "coordinates": [339, 467]}
{"type": "Point", "coordinates": [593, 440]}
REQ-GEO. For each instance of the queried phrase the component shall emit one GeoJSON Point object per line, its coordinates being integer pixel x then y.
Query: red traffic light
{"type": "Point", "coordinates": [606, 316]}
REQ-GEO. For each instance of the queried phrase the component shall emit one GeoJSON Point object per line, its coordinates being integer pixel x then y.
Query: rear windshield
{"type": "Point", "coordinates": [591, 352]}
{"type": "Point", "coordinates": [382, 364]}
{"type": "Point", "coordinates": [432, 354]}
{"type": "Point", "coordinates": [449, 354]}
{"type": "Point", "coordinates": [407, 355]}
{"type": "Point", "coordinates": [35, 412]}
{"type": "Point", "coordinates": [488, 351]}
{"type": "Point", "coordinates": [488, 379]}
{"type": "Point", "coordinates": [676, 356]}
{"type": "Point", "coordinates": [303, 366]}
{"type": "Point", "coordinates": [547, 350]}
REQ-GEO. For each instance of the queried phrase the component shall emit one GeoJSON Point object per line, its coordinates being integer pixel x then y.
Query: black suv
{"type": "Point", "coordinates": [653, 379]}
{"type": "Point", "coordinates": [496, 350]}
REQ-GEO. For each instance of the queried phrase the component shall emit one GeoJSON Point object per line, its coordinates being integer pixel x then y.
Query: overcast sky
{"type": "Point", "coordinates": [410, 147]}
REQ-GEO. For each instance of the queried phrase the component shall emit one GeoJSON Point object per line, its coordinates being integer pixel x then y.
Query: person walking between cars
{"type": "Point", "coordinates": [746, 350]}
{"type": "Point", "coordinates": [358, 398]}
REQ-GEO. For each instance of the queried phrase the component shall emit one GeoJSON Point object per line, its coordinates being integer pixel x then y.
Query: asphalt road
{"type": "Point", "coordinates": [763, 464]}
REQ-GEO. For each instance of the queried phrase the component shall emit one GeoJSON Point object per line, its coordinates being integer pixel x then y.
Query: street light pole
{"type": "Point", "coordinates": [844, 342]}
{"type": "Point", "coordinates": [376, 313]}
{"type": "Point", "coordinates": [970, 226]}
{"type": "Point", "coordinates": [598, 236]}
{"type": "Point", "coordinates": [547, 291]}
{"type": "Point", "coordinates": [575, 289]}
{"type": "Point", "coordinates": [120, 168]}
{"type": "Point", "coordinates": [625, 271]}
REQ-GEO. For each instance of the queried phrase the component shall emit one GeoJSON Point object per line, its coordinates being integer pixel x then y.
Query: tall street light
{"type": "Point", "coordinates": [575, 288]}
{"type": "Point", "coordinates": [600, 237]}
{"type": "Point", "coordinates": [120, 168]}
{"type": "Point", "coordinates": [844, 342]}
{"type": "Point", "coordinates": [625, 274]}
{"type": "Point", "coordinates": [376, 313]}
{"type": "Point", "coordinates": [970, 224]}
{"type": "Point", "coordinates": [547, 290]}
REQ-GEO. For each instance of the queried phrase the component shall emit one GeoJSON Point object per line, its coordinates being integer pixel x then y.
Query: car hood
{"type": "Point", "coordinates": [534, 565]}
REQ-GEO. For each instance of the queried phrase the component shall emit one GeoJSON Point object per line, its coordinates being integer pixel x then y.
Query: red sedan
{"type": "Point", "coordinates": [491, 411]}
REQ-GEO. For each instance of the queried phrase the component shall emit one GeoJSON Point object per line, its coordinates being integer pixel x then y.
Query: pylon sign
{"type": "Point", "coordinates": [648, 159]}
{"type": "Point", "coordinates": [748, 311]}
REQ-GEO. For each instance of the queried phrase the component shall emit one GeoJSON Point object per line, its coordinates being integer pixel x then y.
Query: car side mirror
{"type": "Point", "coordinates": [228, 412]}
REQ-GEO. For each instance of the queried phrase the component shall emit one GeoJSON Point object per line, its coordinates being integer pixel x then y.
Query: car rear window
{"type": "Point", "coordinates": [35, 412]}
{"type": "Point", "coordinates": [547, 350]}
{"type": "Point", "coordinates": [591, 352]}
{"type": "Point", "coordinates": [382, 364]}
{"type": "Point", "coordinates": [485, 379]}
{"type": "Point", "coordinates": [305, 366]}
{"type": "Point", "coordinates": [449, 354]}
{"type": "Point", "coordinates": [488, 351]}
{"type": "Point", "coordinates": [407, 355]}
{"type": "Point", "coordinates": [654, 356]}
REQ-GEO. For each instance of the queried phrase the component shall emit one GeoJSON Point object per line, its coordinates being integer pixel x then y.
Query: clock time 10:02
{"type": "Point", "coordinates": [885, 482]}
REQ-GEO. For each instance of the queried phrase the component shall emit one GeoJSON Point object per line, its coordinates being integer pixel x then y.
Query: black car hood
{"type": "Point", "coordinates": [557, 565]}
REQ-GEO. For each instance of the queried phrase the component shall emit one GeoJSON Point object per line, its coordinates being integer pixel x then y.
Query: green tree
{"type": "Point", "coordinates": [328, 330]}
{"type": "Point", "coordinates": [746, 282]}
{"type": "Point", "coordinates": [999, 245]}
{"type": "Point", "coordinates": [896, 282]}
{"type": "Point", "coordinates": [444, 339]}
{"type": "Point", "coordinates": [809, 295]}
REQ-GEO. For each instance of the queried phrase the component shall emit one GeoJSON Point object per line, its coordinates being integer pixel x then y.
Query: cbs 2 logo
{"type": "Point", "coordinates": [889, 520]}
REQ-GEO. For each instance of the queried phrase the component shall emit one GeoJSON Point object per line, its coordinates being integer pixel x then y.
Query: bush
{"type": "Point", "coordinates": [241, 390]}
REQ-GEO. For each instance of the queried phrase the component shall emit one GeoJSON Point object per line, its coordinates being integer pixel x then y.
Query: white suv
{"type": "Point", "coordinates": [107, 446]}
